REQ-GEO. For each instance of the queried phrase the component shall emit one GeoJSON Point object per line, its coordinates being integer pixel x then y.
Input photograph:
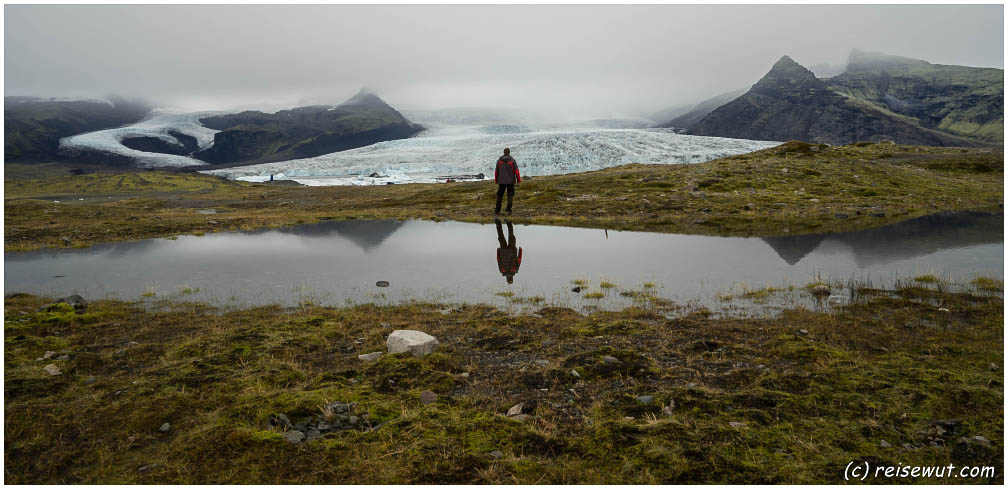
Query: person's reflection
{"type": "Point", "coordinates": [509, 255]}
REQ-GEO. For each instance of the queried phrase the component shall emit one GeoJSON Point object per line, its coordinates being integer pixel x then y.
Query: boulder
{"type": "Point", "coordinates": [411, 341]}
{"type": "Point", "coordinates": [75, 301]}
{"type": "Point", "coordinates": [370, 357]}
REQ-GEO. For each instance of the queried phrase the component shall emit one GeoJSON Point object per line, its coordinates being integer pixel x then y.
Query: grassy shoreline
{"type": "Point", "coordinates": [910, 375]}
{"type": "Point", "coordinates": [795, 188]}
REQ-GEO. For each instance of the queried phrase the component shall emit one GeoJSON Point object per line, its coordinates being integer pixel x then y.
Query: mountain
{"type": "Point", "coordinates": [34, 126]}
{"type": "Point", "coordinates": [789, 102]}
{"type": "Point", "coordinates": [961, 100]}
{"type": "Point", "coordinates": [696, 113]}
{"type": "Point", "coordinates": [257, 137]}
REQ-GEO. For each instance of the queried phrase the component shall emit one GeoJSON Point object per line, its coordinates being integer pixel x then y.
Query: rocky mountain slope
{"type": "Point", "coordinates": [789, 102]}
{"type": "Point", "coordinates": [34, 126]}
{"type": "Point", "coordinates": [696, 113]}
{"type": "Point", "coordinates": [961, 100]}
{"type": "Point", "coordinates": [303, 132]}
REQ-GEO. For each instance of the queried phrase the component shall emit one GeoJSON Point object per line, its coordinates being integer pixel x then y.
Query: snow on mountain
{"type": "Point", "coordinates": [445, 149]}
{"type": "Point", "coordinates": [158, 125]}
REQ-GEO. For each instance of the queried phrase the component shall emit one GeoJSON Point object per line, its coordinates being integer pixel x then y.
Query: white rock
{"type": "Point", "coordinates": [410, 341]}
{"type": "Point", "coordinates": [516, 409]}
{"type": "Point", "coordinates": [370, 357]}
{"type": "Point", "coordinates": [52, 369]}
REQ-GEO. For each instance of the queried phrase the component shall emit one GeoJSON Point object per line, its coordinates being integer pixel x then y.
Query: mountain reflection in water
{"type": "Point", "coordinates": [451, 261]}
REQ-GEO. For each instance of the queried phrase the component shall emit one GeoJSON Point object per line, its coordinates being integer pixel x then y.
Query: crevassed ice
{"type": "Point", "coordinates": [158, 125]}
{"type": "Point", "coordinates": [444, 150]}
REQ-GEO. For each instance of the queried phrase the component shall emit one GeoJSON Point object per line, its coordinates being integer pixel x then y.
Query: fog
{"type": "Point", "coordinates": [579, 60]}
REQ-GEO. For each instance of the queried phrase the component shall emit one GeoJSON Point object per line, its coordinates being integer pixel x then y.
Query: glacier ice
{"type": "Point", "coordinates": [158, 125]}
{"type": "Point", "coordinates": [449, 149]}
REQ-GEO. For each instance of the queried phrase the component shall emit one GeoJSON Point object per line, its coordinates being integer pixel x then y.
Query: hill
{"type": "Point", "coordinates": [961, 100]}
{"type": "Point", "coordinates": [257, 137]}
{"type": "Point", "coordinates": [790, 103]}
{"type": "Point", "coordinates": [696, 113]}
{"type": "Point", "coordinates": [34, 126]}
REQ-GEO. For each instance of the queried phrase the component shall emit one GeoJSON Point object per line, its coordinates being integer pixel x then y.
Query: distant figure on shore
{"type": "Point", "coordinates": [509, 255]}
{"type": "Point", "coordinates": [506, 175]}
{"type": "Point", "coordinates": [271, 177]}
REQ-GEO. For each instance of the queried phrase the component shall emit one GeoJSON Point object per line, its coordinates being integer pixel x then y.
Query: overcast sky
{"type": "Point", "coordinates": [591, 60]}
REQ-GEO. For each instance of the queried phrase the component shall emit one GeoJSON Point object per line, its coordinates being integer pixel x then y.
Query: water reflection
{"type": "Point", "coordinates": [443, 260]}
{"type": "Point", "coordinates": [509, 255]}
{"type": "Point", "coordinates": [899, 241]}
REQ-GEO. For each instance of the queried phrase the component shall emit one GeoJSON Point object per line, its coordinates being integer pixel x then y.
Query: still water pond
{"type": "Point", "coordinates": [338, 262]}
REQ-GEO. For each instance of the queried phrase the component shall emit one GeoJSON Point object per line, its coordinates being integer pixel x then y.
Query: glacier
{"type": "Point", "coordinates": [157, 125]}
{"type": "Point", "coordinates": [444, 150]}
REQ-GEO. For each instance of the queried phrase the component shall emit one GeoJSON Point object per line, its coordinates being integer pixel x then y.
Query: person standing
{"type": "Point", "coordinates": [506, 175]}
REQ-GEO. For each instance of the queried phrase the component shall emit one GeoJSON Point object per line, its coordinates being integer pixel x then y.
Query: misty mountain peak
{"type": "Point", "coordinates": [365, 97]}
{"type": "Point", "coordinates": [869, 61]}
{"type": "Point", "coordinates": [786, 75]}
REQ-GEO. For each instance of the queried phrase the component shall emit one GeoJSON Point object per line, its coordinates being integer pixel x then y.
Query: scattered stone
{"type": "Point", "coordinates": [645, 400]}
{"type": "Point", "coordinates": [840, 298]}
{"type": "Point", "coordinates": [147, 467]}
{"type": "Point", "coordinates": [496, 454]}
{"type": "Point", "coordinates": [993, 367]}
{"type": "Point", "coordinates": [884, 444]}
{"type": "Point", "coordinates": [417, 343]}
{"type": "Point", "coordinates": [382, 283]}
{"type": "Point", "coordinates": [981, 440]}
{"type": "Point", "coordinates": [576, 290]}
{"type": "Point", "coordinates": [839, 215]}
{"type": "Point", "coordinates": [370, 357]}
{"type": "Point", "coordinates": [278, 421]}
{"type": "Point", "coordinates": [165, 428]}
{"type": "Point", "coordinates": [942, 309]}
{"type": "Point", "coordinates": [294, 436]}
{"type": "Point", "coordinates": [575, 373]}
{"type": "Point", "coordinates": [691, 385]}
{"type": "Point", "coordinates": [803, 331]}
{"type": "Point", "coordinates": [667, 410]}
{"type": "Point", "coordinates": [464, 375]}
{"type": "Point", "coordinates": [516, 409]}
{"type": "Point", "coordinates": [427, 397]}
{"type": "Point", "coordinates": [313, 434]}
{"type": "Point", "coordinates": [212, 222]}
{"type": "Point", "coordinates": [52, 369]}
{"type": "Point", "coordinates": [608, 360]}
{"type": "Point", "coordinates": [821, 290]}
{"type": "Point", "coordinates": [47, 356]}
{"type": "Point", "coordinates": [542, 363]}
{"type": "Point", "coordinates": [90, 380]}
{"type": "Point", "coordinates": [75, 301]}
{"type": "Point", "coordinates": [736, 424]}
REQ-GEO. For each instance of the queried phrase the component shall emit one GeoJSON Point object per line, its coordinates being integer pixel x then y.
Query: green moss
{"type": "Point", "coordinates": [885, 367]}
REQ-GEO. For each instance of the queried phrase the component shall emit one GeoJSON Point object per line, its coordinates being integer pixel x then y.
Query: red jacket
{"type": "Point", "coordinates": [507, 172]}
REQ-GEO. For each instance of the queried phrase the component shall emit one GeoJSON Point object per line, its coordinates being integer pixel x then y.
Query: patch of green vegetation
{"type": "Point", "coordinates": [594, 295]}
{"type": "Point", "coordinates": [988, 284]}
{"type": "Point", "coordinates": [926, 279]}
{"type": "Point", "coordinates": [727, 400]}
{"type": "Point", "coordinates": [606, 285]}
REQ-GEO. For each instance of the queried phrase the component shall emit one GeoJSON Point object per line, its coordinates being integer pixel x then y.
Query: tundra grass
{"type": "Point", "coordinates": [788, 399]}
{"type": "Point", "coordinates": [794, 188]}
